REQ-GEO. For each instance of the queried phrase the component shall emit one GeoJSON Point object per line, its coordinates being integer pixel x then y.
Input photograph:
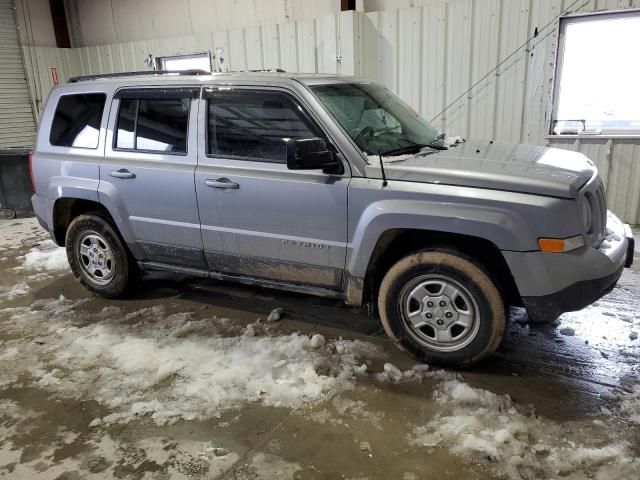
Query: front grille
{"type": "Point", "coordinates": [594, 193]}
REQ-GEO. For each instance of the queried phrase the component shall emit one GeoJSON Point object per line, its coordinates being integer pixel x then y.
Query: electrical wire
{"type": "Point", "coordinates": [535, 35]}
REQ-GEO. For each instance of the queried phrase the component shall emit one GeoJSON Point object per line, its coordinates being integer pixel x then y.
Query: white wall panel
{"type": "Point", "coordinates": [486, 28]}
{"type": "Point", "coordinates": [100, 22]}
{"type": "Point", "coordinates": [460, 42]}
{"type": "Point", "coordinates": [307, 47]}
{"type": "Point", "coordinates": [458, 62]}
{"type": "Point", "coordinates": [434, 22]}
{"type": "Point", "coordinates": [429, 54]}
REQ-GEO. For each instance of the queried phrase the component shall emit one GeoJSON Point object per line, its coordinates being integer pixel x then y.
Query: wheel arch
{"type": "Point", "coordinates": [395, 244]}
{"type": "Point", "coordinates": [65, 209]}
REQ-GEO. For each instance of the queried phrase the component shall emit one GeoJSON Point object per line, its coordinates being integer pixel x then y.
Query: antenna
{"type": "Point", "coordinates": [384, 177]}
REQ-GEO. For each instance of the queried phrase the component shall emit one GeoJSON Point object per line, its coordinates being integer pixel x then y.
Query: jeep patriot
{"type": "Point", "coordinates": [326, 185]}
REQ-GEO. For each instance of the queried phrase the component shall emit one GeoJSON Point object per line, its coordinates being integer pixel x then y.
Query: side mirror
{"type": "Point", "coordinates": [310, 154]}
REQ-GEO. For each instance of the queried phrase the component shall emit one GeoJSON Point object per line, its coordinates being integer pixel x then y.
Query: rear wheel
{"type": "Point", "coordinates": [442, 308]}
{"type": "Point", "coordinates": [98, 257]}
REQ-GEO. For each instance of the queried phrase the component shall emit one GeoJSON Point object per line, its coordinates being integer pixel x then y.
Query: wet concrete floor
{"type": "Point", "coordinates": [365, 428]}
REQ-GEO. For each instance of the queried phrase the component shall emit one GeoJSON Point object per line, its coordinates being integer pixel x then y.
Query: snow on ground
{"type": "Point", "coordinates": [170, 367]}
{"type": "Point", "coordinates": [484, 427]}
{"type": "Point", "coordinates": [174, 367]}
{"type": "Point", "coordinates": [19, 233]}
{"type": "Point", "coordinates": [107, 458]}
{"type": "Point", "coordinates": [614, 320]}
{"type": "Point", "coordinates": [47, 256]}
{"type": "Point", "coordinates": [14, 291]}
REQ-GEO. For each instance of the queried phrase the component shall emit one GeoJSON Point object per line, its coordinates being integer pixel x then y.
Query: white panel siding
{"type": "Point", "coordinates": [433, 53]}
{"type": "Point", "coordinates": [430, 55]}
{"type": "Point", "coordinates": [434, 22]}
{"type": "Point", "coordinates": [306, 46]}
{"type": "Point", "coordinates": [17, 125]}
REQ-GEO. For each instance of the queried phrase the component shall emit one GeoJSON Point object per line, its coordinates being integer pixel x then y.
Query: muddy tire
{"type": "Point", "coordinates": [98, 257]}
{"type": "Point", "coordinates": [442, 308]}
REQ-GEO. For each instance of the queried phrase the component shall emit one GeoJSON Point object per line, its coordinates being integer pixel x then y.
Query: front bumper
{"type": "Point", "coordinates": [551, 283]}
{"type": "Point", "coordinates": [547, 308]}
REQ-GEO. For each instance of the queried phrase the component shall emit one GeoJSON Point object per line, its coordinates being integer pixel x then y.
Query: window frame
{"type": "Point", "coordinates": [208, 93]}
{"type": "Point", "coordinates": [100, 126]}
{"type": "Point", "coordinates": [193, 93]}
{"type": "Point", "coordinates": [559, 64]}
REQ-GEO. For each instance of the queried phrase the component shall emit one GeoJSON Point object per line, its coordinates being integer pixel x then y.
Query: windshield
{"type": "Point", "coordinates": [376, 119]}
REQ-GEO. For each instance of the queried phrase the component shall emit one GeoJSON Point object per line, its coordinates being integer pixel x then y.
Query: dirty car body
{"type": "Point", "coordinates": [269, 179]}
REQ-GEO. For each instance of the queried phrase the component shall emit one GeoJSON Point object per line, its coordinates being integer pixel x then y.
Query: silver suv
{"type": "Point", "coordinates": [326, 185]}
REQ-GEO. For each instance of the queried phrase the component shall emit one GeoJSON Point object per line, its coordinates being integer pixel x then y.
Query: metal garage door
{"type": "Point", "coordinates": [17, 125]}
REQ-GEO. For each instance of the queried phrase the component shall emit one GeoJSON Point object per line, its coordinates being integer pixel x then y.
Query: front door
{"type": "Point", "coordinates": [260, 219]}
{"type": "Point", "coordinates": [147, 176]}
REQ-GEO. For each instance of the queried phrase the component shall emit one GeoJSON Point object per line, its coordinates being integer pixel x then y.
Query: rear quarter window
{"type": "Point", "coordinates": [76, 122]}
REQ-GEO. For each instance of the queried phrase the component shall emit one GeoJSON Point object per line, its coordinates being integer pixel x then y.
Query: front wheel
{"type": "Point", "coordinates": [442, 308]}
{"type": "Point", "coordinates": [98, 257]}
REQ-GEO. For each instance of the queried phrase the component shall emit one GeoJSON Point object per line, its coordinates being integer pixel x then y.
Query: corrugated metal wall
{"type": "Point", "coordinates": [429, 55]}
{"type": "Point", "coordinates": [433, 54]}
{"type": "Point", "coordinates": [17, 125]}
{"type": "Point", "coordinates": [306, 46]}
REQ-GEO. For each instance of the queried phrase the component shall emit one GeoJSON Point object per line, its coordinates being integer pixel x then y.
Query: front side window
{"type": "Point", "coordinates": [76, 122]}
{"type": "Point", "coordinates": [255, 125]}
{"type": "Point", "coordinates": [153, 124]}
{"type": "Point", "coordinates": [376, 119]}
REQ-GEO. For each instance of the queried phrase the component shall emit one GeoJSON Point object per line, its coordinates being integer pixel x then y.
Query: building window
{"type": "Point", "coordinates": [598, 75]}
{"type": "Point", "coordinates": [195, 61]}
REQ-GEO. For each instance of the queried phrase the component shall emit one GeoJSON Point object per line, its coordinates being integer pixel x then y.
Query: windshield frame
{"type": "Point", "coordinates": [315, 87]}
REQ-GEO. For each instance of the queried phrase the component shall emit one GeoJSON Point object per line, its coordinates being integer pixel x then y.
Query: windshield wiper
{"type": "Point", "coordinates": [412, 148]}
{"type": "Point", "coordinates": [406, 149]}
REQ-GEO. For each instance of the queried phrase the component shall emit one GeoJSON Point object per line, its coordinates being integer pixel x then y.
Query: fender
{"type": "Point", "coordinates": [502, 227]}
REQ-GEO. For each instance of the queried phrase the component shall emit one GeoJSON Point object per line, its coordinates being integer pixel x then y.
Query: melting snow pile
{"type": "Point", "coordinates": [625, 398]}
{"type": "Point", "coordinates": [481, 426]}
{"type": "Point", "coordinates": [46, 256]}
{"type": "Point", "coordinates": [14, 291]}
{"type": "Point", "coordinates": [169, 367]}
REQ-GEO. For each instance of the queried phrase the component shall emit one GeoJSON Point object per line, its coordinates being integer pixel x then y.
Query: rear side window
{"type": "Point", "coordinates": [255, 125]}
{"type": "Point", "coordinates": [76, 122]}
{"type": "Point", "coordinates": [153, 124]}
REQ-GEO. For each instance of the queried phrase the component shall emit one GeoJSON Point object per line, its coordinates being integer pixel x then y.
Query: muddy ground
{"type": "Point", "coordinates": [188, 379]}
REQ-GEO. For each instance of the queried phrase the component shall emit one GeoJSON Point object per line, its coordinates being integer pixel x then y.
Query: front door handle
{"type": "Point", "coordinates": [222, 183]}
{"type": "Point", "coordinates": [122, 173]}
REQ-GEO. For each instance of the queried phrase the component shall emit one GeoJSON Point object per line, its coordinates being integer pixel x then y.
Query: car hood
{"type": "Point", "coordinates": [517, 168]}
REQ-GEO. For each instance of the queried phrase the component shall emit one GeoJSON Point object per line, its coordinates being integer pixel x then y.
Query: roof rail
{"type": "Point", "coordinates": [83, 78]}
{"type": "Point", "coordinates": [266, 70]}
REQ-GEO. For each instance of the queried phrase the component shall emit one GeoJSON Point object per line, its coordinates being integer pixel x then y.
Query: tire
{"type": "Point", "coordinates": [467, 319]}
{"type": "Point", "coordinates": [112, 266]}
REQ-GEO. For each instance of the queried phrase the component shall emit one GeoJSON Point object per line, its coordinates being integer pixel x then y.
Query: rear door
{"type": "Point", "coordinates": [147, 176]}
{"type": "Point", "coordinates": [260, 219]}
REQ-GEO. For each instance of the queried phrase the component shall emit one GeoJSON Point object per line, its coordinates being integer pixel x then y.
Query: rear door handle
{"type": "Point", "coordinates": [122, 173]}
{"type": "Point", "coordinates": [222, 183]}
